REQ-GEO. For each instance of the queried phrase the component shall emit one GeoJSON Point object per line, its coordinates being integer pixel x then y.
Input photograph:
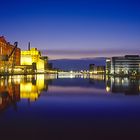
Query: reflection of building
{"type": "Point", "coordinates": [123, 85]}
{"type": "Point", "coordinates": [9, 94]}
{"type": "Point", "coordinates": [32, 57]}
{"type": "Point", "coordinates": [32, 88]}
{"type": "Point", "coordinates": [14, 88]}
{"type": "Point", "coordinates": [97, 77]}
{"type": "Point", "coordinates": [7, 60]}
{"type": "Point", "coordinates": [97, 81]}
{"type": "Point", "coordinates": [96, 69]}
{"type": "Point", "coordinates": [127, 65]}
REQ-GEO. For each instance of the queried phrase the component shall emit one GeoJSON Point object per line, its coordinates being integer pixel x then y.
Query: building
{"type": "Point", "coordinates": [93, 69]}
{"type": "Point", "coordinates": [45, 59]}
{"type": "Point", "coordinates": [32, 57]}
{"type": "Point", "coordinates": [50, 66]}
{"type": "Point", "coordinates": [125, 65]}
{"type": "Point", "coordinates": [9, 55]}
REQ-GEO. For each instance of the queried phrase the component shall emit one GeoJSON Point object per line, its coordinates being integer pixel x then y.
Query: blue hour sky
{"type": "Point", "coordinates": [72, 28]}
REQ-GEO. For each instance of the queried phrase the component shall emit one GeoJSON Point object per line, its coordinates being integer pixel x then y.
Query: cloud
{"type": "Point", "coordinates": [78, 54]}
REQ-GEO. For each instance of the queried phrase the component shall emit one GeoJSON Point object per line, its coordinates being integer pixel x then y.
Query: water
{"type": "Point", "coordinates": [43, 107]}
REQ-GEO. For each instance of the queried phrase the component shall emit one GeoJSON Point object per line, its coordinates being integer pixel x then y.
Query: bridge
{"type": "Point", "coordinates": [72, 74]}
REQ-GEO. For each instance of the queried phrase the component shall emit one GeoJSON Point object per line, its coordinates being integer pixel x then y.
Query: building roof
{"type": "Point", "coordinates": [2, 39]}
{"type": "Point", "coordinates": [132, 56]}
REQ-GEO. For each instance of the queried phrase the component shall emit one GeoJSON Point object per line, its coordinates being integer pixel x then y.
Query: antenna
{"type": "Point", "coordinates": [29, 46]}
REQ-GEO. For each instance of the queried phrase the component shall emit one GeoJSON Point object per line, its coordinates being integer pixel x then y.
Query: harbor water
{"type": "Point", "coordinates": [48, 107]}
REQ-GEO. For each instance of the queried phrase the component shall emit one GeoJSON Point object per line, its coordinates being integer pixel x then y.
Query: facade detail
{"type": "Point", "coordinates": [32, 57]}
{"type": "Point", "coordinates": [9, 55]}
{"type": "Point", "coordinates": [127, 65]}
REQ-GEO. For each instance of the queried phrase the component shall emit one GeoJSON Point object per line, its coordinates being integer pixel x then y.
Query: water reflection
{"type": "Point", "coordinates": [31, 88]}
{"type": "Point", "coordinates": [42, 105]}
{"type": "Point", "coordinates": [9, 93]}
{"type": "Point", "coordinates": [129, 86]}
{"type": "Point", "coordinates": [16, 88]}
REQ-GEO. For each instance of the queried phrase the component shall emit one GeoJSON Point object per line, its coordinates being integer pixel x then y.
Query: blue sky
{"type": "Point", "coordinates": [101, 27]}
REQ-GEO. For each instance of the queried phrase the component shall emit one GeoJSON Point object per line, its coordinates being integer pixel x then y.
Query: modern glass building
{"type": "Point", "coordinates": [126, 65]}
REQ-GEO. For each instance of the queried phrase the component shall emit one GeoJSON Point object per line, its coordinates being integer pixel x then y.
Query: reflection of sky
{"type": "Point", "coordinates": [76, 90]}
{"type": "Point", "coordinates": [79, 82]}
{"type": "Point", "coordinates": [101, 25]}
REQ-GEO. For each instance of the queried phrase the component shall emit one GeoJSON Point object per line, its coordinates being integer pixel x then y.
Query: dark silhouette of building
{"type": "Point", "coordinates": [93, 69]}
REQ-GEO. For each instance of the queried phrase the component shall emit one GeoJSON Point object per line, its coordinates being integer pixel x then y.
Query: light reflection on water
{"type": "Point", "coordinates": [80, 107]}
{"type": "Point", "coordinates": [30, 87]}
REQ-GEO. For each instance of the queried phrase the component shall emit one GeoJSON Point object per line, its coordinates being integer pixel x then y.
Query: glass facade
{"type": "Point", "coordinates": [127, 65]}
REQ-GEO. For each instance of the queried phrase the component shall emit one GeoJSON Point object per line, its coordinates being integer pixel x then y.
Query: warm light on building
{"type": "Point", "coordinates": [28, 57]}
{"type": "Point", "coordinates": [9, 55]}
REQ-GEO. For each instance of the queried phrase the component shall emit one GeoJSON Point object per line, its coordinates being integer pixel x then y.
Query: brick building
{"type": "Point", "coordinates": [7, 60]}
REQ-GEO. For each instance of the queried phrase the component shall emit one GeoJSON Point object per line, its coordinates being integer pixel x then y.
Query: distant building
{"type": "Point", "coordinates": [9, 55]}
{"type": "Point", "coordinates": [50, 66]}
{"type": "Point", "coordinates": [93, 69]}
{"type": "Point", "coordinates": [45, 59]}
{"type": "Point", "coordinates": [126, 65]}
{"type": "Point", "coordinates": [32, 57]}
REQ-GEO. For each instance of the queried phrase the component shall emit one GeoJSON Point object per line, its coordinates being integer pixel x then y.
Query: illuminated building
{"type": "Point", "coordinates": [96, 69]}
{"type": "Point", "coordinates": [127, 65]}
{"type": "Point", "coordinates": [9, 55]}
{"type": "Point", "coordinates": [32, 57]}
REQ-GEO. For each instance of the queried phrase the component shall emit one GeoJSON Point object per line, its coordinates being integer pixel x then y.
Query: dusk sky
{"type": "Point", "coordinates": [72, 28]}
